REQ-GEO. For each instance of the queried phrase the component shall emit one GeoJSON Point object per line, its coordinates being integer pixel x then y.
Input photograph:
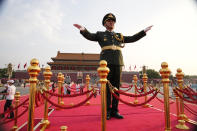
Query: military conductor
{"type": "Point", "coordinates": [111, 44]}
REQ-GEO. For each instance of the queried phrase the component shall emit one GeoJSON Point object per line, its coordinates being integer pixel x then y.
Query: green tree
{"type": "Point", "coordinates": [151, 73]}
{"type": "Point", "coordinates": [3, 73]}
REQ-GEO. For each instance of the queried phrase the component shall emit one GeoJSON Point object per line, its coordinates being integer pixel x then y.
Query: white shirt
{"type": "Point", "coordinates": [11, 92]}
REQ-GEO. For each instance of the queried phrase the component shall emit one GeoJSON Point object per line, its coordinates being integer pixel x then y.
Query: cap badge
{"type": "Point", "coordinates": [110, 15]}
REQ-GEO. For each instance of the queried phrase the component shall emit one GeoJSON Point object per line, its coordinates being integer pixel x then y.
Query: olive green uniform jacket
{"type": "Point", "coordinates": [113, 57]}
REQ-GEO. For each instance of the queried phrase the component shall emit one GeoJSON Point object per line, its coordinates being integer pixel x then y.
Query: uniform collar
{"type": "Point", "coordinates": [110, 31]}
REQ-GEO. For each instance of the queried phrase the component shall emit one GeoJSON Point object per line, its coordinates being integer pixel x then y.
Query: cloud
{"type": "Point", "coordinates": [40, 19]}
{"type": "Point", "coordinates": [75, 2]}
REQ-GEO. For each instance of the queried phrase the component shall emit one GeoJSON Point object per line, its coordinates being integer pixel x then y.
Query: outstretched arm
{"type": "Point", "coordinates": [81, 28]}
{"type": "Point", "coordinates": [148, 28]}
{"type": "Point", "coordinates": [86, 33]}
{"type": "Point", "coordinates": [136, 37]}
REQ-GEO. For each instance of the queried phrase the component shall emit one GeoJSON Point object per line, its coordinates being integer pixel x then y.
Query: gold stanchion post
{"type": "Point", "coordinates": [165, 73]}
{"type": "Point", "coordinates": [47, 75]}
{"type": "Point", "coordinates": [59, 83]}
{"type": "Point", "coordinates": [88, 84]}
{"type": "Point", "coordinates": [103, 71]}
{"type": "Point", "coordinates": [182, 117]}
{"type": "Point", "coordinates": [135, 85]}
{"type": "Point", "coordinates": [33, 70]}
{"type": "Point", "coordinates": [177, 106]}
{"type": "Point", "coordinates": [17, 98]}
{"type": "Point", "coordinates": [62, 90]}
{"type": "Point", "coordinates": [145, 79]}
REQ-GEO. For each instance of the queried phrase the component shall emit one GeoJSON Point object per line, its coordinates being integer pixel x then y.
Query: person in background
{"type": "Point", "coordinates": [10, 97]}
{"type": "Point", "coordinates": [53, 86]}
{"type": "Point", "coordinates": [65, 88]}
{"type": "Point", "coordinates": [24, 84]}
{"type": "Point", "coordinates": [68, 81]}
{"type": "Point", "coordinates": [78, 87]}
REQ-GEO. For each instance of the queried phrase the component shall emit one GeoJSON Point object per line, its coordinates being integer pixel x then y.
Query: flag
{"type": "Point", "coordinates": [25, 64]}
{"type": "Point", "coordinates": [134, 67]}
{"type": "Point", "coordinates": [18, 66]}
{"type": "Point", "coordinates": [130, 68]}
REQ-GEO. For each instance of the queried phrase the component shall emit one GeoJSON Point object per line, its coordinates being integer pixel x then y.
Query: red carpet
{"type": "Point", "coordinates": [87, 118]}
{"type": "Point", "coordinates": [24, 127]}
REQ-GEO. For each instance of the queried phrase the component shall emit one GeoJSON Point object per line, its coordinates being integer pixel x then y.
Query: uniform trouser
{"type": "Point", "coordinates": [114, 78]}
{"type": "Point", "coordinates": [8, 104]}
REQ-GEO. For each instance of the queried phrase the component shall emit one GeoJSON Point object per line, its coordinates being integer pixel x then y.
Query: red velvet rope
{"type": "Point", "coordinates": [73, 95]}
{"type": "Point", "coordinates": [68, 107]}
{"type": "Point", "coordinates": [133, 95]}
{"type": "Point", "coordinates": [191, 90]}
{"type": "Point", "coordinates": [194, 102]}
{"type": "Point", "coordinates": [161, 94]}
{"type": "Point", "coordinates": [42, 100]}
{"type": "Point", "coordinates": [16, 117]}
{"type": "Point", "coordinates": [163, 101]}
{"type": "Point", "coordinates": [130, 104]}
{"type": "Point", "coordinates": [96, 88]}
{"type": "Point", "coordinates": [140, 91]}
{"type": "Point", "coordinates": [126, 90]}
{"type": "Point", "coordinates": [127, 86]}
{"type": "Point", "coordinates": [187, 93]}
{"type": "Point", "coordinates": [74, 89]}
{"type": "Point", "coordinates": [10, 110]}
{"type": "Point", "coordinates": [186, 90]}
{"type": "Point", "coordinates": [190, 110]}
{"type": "Point", "coordinates": [38, 99]}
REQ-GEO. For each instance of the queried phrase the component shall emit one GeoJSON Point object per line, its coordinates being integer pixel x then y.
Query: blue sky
{"type": "Point", "coordinates": [39, 28]}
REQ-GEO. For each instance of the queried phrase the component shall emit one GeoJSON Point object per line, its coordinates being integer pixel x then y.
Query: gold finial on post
{"type": "Point", "coordinates": [33, 70]}
{"type": "Point", "coordinates": [103, 71]}
{"type": "Point", "coordinates": [47, 75]}
{"type": "Point", "coordinates": [182, 117]}
{"type": "Point", "coordinates": [135, 82]}
{"type": "Point", "coordinates": [17, 98]}
{"type": "Point", "coordinates": [88, 84]}
{"type": "Point", "coordinates": [165, 73]}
